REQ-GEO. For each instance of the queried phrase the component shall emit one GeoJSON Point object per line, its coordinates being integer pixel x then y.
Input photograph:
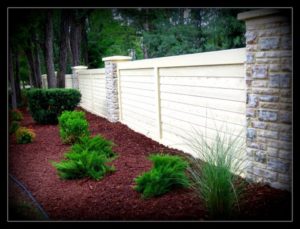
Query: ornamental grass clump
{"type": "Point", "coordinates": [24, 135]}
{"type": "Point", "coordinates": [87, 158]}
{"type": "Point", "coordinates": [168, 172]}
{"type": "Point", "coordinates": [72, 126]}
{"type": "Point", "coordinates": [217, 180]}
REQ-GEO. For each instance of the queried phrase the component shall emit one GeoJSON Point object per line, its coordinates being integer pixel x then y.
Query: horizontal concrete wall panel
{"type": "Point", "coordinates": [169, 98]}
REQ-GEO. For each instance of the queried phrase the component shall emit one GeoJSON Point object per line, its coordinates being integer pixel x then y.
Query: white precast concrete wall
{"type": "Point", "coordinates": [170, 98]}
{"type": "Point", "coordinates": [93, 93]}
{"type": "Point", "coordinates": [137, 100]}
{"type": "Point", "coordinates": [68, 81]}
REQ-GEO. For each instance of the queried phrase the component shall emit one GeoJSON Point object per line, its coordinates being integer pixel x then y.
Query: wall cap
{"type": "Point", "coordinates": [79, 67]}
{"type": "Point", "coordinates": [256, 13]}
{"type": "Point", "coordinates": [117, 58]}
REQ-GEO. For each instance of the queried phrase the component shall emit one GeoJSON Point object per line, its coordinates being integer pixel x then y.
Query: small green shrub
{"type": "Point", "coordinates": [72, 126]}
{"type": "Point", "coordinates": [46, 105]}
{"type": "Point", "coordinates": [14, 125]}
{"type": "Point", "coordinates": [83, 164]}
{"type": "Point", "coordinates": [87, 158]}
{"type": "Point", "coordinates": [16, 115]}
{"type": "Point", "coordinates": [95, 144]}
{"type": "Point", "coordinates": [168, 172]}
{"type": "Point", "coordinates": [24, 135]}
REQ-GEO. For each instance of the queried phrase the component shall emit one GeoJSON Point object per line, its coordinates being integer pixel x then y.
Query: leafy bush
{"type": "Point", "coordinates": [217, 181]}
{"type": "Point", "coordinates": [168, 172]}
{"type": "Point", "coordinates": [87, 158]}
{"type": "Point", "coordinates": [46, 105]}
{"type": "Point", "coordinates": [83, 164]}
{"type": "Point", "coordinates": [72, 126]}
{"type": "Point", "coordinates": [24, 135]}
{"type": "Point", "coordinates": [14, 125]}
{"type": "Point", "coordinates": [16, 115]}
{"type": "Point", "coordinates": [24, 99]}
{"type": "Point", "coordinates": [95, 144]}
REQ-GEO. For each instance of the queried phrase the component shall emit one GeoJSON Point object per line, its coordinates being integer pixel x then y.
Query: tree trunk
{"type": "Point", "coordinates": [12, 81]}
{"type": "Point", "coordinates": [37, 63]}
{"type": "Point", "coordinates": [17, 78]}
{"type": "Point", "coordinates": [75, 38]}
{"type": "Point", "coordinates": [146, 28]}
{"type": "Point", "coordinates": [30, 59]}
{"type": "Point", "coordinates": [63, 55]}
{"type": "Point", "coordinates": [84, 43]}
{"type": "Point", "coordinates": [51, 79]}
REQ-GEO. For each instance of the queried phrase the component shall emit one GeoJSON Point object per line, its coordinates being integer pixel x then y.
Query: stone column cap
{"type": "Point", "coordinates": [117, 58]}
{"type": "Point", "coordinates": [79, 67]}
{"type": "Point", "coordinates": [256, 13]}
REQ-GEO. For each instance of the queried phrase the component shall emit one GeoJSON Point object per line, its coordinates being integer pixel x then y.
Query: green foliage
{"type": "Point", "coordinates": [24, 70]}
{"type": "Point", "coordinates": [14, 125]}
{"type": "Point", "coordinates": [24, 135]}
{"type": "Point", "coordinates": [162, 32]}
{"type": "Point", "coordinates": [182, 31]}
{"type": "Point", "coordinates": [168, 172]}
{"type": "Point", "coordinates": [96, 144]}
{"type": "Point", "coordinates": [83, 164]}
{"type": "Point", "coordinates": [172, 40]}
{"type": "Point", "coordinates": [15, 115]}
{"type": "Point", "coordinates": [24, 97]}
{"type": "Point", "coordinates": [72, 126]}
{"type": "Point", "coordinates": [46, 105]}
{"type": "Point", "coordinates": [217, 181]}
{"type": "Point", "coordinates": [108, 37]}
{"type": "Point", "coordinates": [223, 31]}
{"type": "Point", "coordinates": [87, 158]}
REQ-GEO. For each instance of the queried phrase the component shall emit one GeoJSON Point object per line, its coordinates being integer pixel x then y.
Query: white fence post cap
{"type": "Point", "coordinates": [79, 67]}
{"type": "Point", "coordinates": [117, 58]}
{"type": "Point", "coordinates": [256, 14]}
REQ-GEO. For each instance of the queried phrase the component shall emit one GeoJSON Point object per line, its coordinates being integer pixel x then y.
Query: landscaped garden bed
{"type": "Point", "coordinates": [113, 197]}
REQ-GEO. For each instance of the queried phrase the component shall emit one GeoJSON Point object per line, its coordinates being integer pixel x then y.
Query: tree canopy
{"type": "Point", "coordinates": [46, 40]}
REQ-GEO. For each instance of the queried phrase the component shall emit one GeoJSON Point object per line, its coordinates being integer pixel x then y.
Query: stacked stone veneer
{"type": "Point", "coordinates": [111, 86]}
{"type": "Point", "coordinates": [75, 69]}
{"type": "Point", "coordinates": [269, 96]}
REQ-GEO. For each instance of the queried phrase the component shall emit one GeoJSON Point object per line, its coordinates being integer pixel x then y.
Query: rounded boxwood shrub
{"type": "Point", "coordinates": [46, 105]}
{"type": "Point", "coordinates": [24, 135]}
{"type": "Point", "coordinates": [72, 126]}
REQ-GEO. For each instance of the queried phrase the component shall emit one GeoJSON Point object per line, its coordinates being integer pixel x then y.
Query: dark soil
{"type": "Point", "coordinates": [113, 197]}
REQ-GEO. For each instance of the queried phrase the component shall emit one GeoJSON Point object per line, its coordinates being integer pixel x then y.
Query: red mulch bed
{"type": "Point", "coordinates": [113, 198]}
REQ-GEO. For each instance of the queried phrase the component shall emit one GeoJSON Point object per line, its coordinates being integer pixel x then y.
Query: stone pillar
{"type": "Point", "coordinates": [75, 70]}
{"type": "Point", "coordinates": [269, 96]}
{"type": "Point", "coordinates": [111, 84]}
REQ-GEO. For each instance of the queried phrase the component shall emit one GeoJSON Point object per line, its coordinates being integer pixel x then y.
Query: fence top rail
{"type": "Point", "coordinates": [92, 71]}
{"type": "Point", "coordinates": [66, 75]}
{"type": "Point", "coordinates": [222, 57]}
